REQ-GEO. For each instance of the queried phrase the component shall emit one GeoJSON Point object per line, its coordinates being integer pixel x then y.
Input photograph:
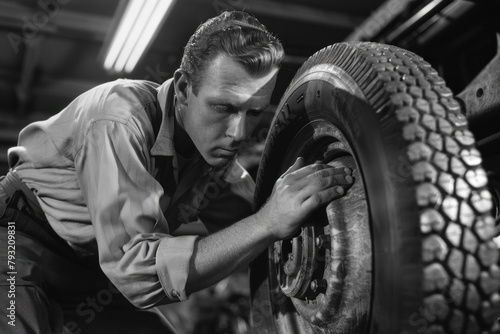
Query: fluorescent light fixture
{"type": "Point", "coordinates": [139, 24]}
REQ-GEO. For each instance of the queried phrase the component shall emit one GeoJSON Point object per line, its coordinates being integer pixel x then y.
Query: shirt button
{"type": "Point", "coordinates": [175, 293]}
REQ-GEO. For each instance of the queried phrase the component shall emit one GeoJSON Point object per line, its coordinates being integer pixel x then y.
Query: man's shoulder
{"type": "Point", "coordinates": [129, 91]}
{"type": "Point", "coordinates": [133, 84]}
{"type": "Point", "coordinates": [121, 99]}
{"type": "Point", "coordinates": [132, 103]}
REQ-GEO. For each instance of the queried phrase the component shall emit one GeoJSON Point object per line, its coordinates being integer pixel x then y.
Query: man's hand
{"type": "Point", "coordinates": [296, 194]}
{"type": "Point", "coordinates": [300, 191]}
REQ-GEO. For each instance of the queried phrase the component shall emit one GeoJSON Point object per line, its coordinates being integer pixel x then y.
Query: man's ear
{"type": "Point", "coordinates": [182, 86]}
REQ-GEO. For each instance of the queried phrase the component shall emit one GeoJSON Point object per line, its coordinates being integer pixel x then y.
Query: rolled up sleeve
{"type": "Point", "coordinates": [136, 251]}
{"type": "Point", "coordinates": [175, 252]}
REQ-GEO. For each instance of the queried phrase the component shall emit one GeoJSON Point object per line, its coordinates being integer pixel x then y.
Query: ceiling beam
{"type": "Point", "coordinates": [300, 13]}
{"type": "Point", "coordinates": [34, 20]}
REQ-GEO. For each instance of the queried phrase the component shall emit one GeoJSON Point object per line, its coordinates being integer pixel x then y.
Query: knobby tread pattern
{"type": "Point", "coordinates": [461, 273]}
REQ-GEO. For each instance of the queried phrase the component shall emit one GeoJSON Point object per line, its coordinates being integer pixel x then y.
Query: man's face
{"type": "Point", "coordinates": [226, 110]}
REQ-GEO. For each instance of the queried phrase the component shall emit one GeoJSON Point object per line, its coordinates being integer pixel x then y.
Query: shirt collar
{"type": "Point", "coordinates": [164, 144]}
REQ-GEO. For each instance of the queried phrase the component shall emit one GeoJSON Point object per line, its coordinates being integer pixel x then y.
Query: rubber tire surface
{"type": "Point", "coordinates": [435, 264]}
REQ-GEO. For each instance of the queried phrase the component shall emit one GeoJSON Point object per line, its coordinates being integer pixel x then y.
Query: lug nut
{"type": "Point", "coordinates": [323, 240]}
{"type": "Point", "coordinates": [318, 284]}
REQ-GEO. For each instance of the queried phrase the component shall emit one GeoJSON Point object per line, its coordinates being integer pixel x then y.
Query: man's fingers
{"type": "Point", "coordinates": [299, 163]}
{"type": "Point", "coordinates": [312, 184]}
{"type": "Point", "coordinates": [342, 170]}
{"type": "Point", "coordinates": [311, 170]}
{"type": "Point", "coordinates": [321, 171]}
{"type": "Point", "coordinates": [323, 197]}
{"type": "Point", "coordinates": [339, 173]}
{"type": "Point", "coordinates": [324, 186]}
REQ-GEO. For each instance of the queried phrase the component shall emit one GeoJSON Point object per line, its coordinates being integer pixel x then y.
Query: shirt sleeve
{"type": "Point", "coordinates": [136, 252]}
{"type": "Point", "coordinates": [229, 196]}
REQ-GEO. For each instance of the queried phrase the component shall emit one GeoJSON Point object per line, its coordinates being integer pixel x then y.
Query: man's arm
{"type": "Point", "coordinates": [152, 268]}
{"type": "Point", "coordinates": [296, 194]}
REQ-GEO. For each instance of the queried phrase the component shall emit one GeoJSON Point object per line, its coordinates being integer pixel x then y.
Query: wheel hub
{"type": "Point", "coordinates": [311, 268]}
{"type": "Point", "coordinates": [296, 261]}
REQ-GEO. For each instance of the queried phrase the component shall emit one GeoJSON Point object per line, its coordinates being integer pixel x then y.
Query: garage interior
{"type": "Point", "coordinates": [54, 50]}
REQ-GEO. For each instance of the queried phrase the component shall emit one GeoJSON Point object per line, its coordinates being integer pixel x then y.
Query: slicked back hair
{"type": "Point", "coordinates": [235, 34]}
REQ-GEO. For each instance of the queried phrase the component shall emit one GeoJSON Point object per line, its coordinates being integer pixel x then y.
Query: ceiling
{"type": "Point", "coordinates": [51, 49]}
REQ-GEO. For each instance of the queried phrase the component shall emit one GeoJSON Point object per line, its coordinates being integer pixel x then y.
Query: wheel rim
{"type": "Point", "coordinates": [315, 269]}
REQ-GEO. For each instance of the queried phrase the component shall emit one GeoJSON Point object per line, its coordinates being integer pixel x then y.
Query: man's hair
{"type": "Point", "coordinates": [235, 34]}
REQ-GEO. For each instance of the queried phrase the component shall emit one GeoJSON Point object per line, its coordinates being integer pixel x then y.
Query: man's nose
{"type": "Point", "coordinates": [238, 127]}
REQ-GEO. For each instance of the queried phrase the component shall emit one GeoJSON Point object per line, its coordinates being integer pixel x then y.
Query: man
{"type": "Point", "coordinates": [103, 184]}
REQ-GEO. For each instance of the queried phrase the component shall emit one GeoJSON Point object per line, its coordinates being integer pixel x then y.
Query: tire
{"type": "Point", "coordinates": [409, 248]}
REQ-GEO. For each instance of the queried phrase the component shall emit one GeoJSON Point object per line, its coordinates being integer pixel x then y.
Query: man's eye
{"type": "Point", "coordinates": [223, 108]}
{"type": "Point", "coordinates": [255, 113]}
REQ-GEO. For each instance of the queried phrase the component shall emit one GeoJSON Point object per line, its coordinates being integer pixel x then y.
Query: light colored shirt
{"type": "Point", "coordinates": [105, 172]}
